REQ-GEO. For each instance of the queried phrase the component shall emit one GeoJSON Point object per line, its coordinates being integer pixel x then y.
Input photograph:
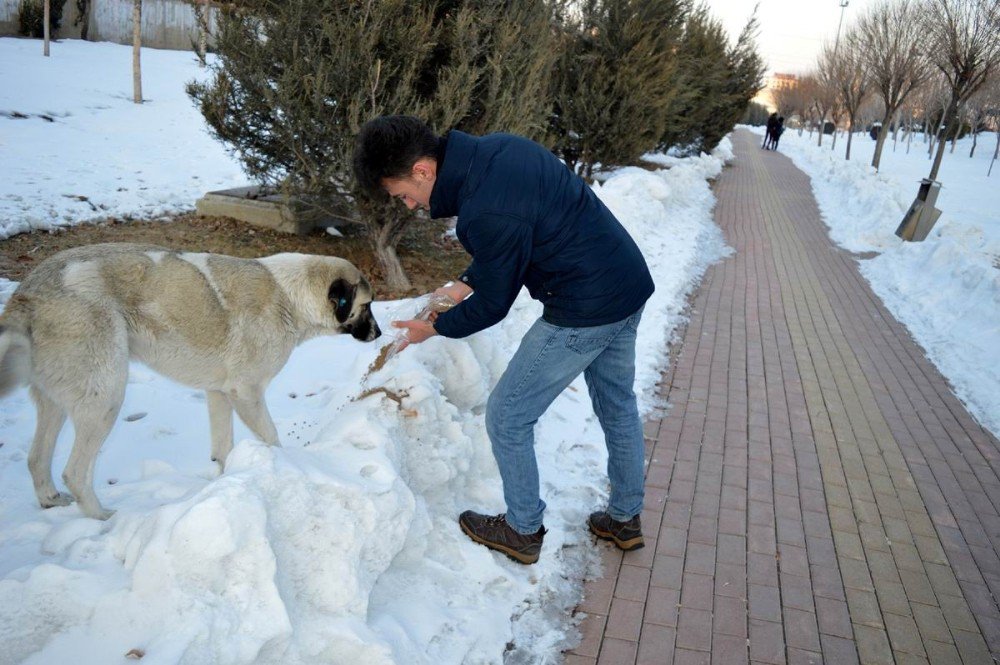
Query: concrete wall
{"type": "Point", "coordinates": [168, 24]}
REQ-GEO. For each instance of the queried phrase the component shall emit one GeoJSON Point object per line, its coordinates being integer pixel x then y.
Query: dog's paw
{"type": "Point", "coordinates": [101, 514]}
{"type": "Point", "coordinates": [58, 499]}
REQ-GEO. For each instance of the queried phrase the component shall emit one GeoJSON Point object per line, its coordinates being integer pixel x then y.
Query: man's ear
{"type": "Point", "coordinates": [424, 169]}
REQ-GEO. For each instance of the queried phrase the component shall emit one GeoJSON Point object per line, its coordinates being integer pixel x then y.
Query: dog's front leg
{"type": "Point", "coordinates": [250, 406]}
{"type": "Point", "coordinates": [220, 418]}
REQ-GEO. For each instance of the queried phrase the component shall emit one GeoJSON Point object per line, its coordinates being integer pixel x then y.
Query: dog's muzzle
{"type": "Point", "coordinates": [365, 330]}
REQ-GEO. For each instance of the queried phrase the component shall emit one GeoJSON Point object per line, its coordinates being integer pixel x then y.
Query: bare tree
{"type": "Point", "coordinates": [980, 107]}
{"type": "Point", "coordinates": [907, 118]}
{"type": "Point", "coordinates": [965, 48]}
{"type": "Point", "coordinates": [83, 18]}
{"type": "Point", "coordinates": [933, 101]}
{"type": "Point", "coordinates": [136, 50]}
{"type": "Point", "coordinates": [872, 111]}
{"type": "Point", "coordinates": [786, 98]}
{"type": "Point", "coordinates": [894, 57]}
{"type": "Point", "coordinates": [821, 95]}
{"type": "Point", "coordinates": [990, 95]}
{"type": "Point", "coordinates": [46, 13]}
{"type": "Point", "coordinates": [847, 71]}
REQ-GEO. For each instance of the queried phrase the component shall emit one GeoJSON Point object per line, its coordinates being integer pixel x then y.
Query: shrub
{"type": "Point", "coordinates": [716, 83]}
{"type": "Point", "coordinates": [295, 80]}
{"type": "Point", "coordinates": [31, 18]}
{"type": "Point", "coordinates": [614, 80]}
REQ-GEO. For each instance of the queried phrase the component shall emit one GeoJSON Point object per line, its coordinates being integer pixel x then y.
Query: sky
{"type": "Point", "coordinates": [792, 31]}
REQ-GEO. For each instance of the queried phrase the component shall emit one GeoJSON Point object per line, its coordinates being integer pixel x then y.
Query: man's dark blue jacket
{"type": "Point", "coordinates": [526, 219]}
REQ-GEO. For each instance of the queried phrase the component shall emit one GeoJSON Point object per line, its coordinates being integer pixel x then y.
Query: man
{"type": "Point", "coordinates": [527, 220]}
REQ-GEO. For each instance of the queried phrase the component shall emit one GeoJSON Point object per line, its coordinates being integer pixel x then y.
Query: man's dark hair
{"type": "Point", "coordinates": [388, 147]}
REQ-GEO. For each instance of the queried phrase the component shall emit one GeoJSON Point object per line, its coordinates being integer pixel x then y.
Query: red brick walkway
{"type": "Point", "coordinates": [815, 493]}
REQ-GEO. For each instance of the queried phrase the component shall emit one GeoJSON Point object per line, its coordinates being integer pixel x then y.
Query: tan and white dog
{"type": "Point", "coordinates": [219, 323]}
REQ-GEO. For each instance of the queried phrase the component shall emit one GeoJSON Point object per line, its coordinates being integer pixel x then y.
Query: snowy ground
{"type": "Point", "coordinates": [93, 159]}
{"type": "Point", "coordinates": [946, 290]}
{"type": "Point", "coordinates": [341, 546]}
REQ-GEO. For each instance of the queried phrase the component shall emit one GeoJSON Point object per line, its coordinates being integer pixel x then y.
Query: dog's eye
{"type": "Point", "coordinates": [342, 302]}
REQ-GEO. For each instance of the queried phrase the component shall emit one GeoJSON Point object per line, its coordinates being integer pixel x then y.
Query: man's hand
{"type": "Point", "coordinates": [417, 331]}
{"type": "Point", "coordinates": [457, 291]}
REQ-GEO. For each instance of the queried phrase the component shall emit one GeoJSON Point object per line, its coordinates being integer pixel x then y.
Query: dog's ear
{"type": "Point", "coordinates": [341, 295]}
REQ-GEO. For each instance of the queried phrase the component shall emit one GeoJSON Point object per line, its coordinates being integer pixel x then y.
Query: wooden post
{"type": "Point", "coordinates": [46, 12]}
{"type": "Point", "coordinates": [136, 49]}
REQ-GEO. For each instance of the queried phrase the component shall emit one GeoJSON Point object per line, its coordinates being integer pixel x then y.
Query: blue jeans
{"type": "Point", "coordinates": [547, 361]}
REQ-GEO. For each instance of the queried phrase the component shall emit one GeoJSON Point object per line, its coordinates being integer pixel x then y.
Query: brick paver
{"type": "Point", "coordinates": [815, 493]}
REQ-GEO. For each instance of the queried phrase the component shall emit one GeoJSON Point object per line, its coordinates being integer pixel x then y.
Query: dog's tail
{"type": "Point", "coordinates": [15, 359]}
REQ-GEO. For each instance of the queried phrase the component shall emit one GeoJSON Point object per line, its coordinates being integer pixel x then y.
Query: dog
{"type": "Point", "coordinates": [218, 323]}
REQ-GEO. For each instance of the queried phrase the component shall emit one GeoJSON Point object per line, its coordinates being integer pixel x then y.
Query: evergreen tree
{"type": "Point", "coordinates": [296, 79]}
{"type": "Point", "coordinates": [744, 79]}
{"type": "Point", "coordinates": [615, 79]}
{"type": "Point", "coordinates": [701, 81]}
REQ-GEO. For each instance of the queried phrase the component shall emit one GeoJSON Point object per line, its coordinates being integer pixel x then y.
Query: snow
{"type": "Point", "coordinates": [945, 290]}
{"type": "Point", "coordinates": [93, 159]}
{"type": "Point", "coordinates": [342, 545]}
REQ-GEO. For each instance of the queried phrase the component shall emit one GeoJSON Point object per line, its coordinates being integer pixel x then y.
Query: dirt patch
{"type": "Point", "coordinates": [429, 259]}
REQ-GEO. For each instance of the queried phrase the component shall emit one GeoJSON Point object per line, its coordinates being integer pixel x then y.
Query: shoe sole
{"type": "Point", "coordinates": [512, 554]}
{"type": "Point", "coordinates": [627, 545]}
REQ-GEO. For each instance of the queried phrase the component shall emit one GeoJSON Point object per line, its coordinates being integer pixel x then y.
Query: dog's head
{"type": "Point", "coordinates": [351, 300]}
{"type": "Point", "coordinates": [327, 295]}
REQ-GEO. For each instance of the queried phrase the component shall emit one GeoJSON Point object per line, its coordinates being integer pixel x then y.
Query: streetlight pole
{"type": "Point", "coordinates": [843, 6]}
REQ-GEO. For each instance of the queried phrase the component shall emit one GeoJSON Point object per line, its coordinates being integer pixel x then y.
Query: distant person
{"type": "Point", "coordinates": [772, 122]}
{"type": "Point", "coordinates": [779, 129]}
{"type": "Point", "coordinates": [873, 132]}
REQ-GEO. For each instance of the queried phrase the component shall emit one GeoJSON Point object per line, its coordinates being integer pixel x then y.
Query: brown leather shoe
{"type": "Point", "coordinates": [626, 535]}
{"type": "Point", "coordinates": [494, 532]}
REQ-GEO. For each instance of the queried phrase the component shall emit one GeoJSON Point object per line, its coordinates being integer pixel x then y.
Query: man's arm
{"type": "Point", "coordinates": [457, 291]}
{"type": "Point", "coordinates": [501, 246]}
{"type": "Point", "coordinates": [502, 251]}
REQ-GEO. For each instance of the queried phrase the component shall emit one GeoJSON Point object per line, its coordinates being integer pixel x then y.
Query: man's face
{"type": "Point", "coordinates": [414, 190]}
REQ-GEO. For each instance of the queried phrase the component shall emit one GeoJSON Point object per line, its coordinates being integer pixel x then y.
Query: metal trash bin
{"type": "Point", "coordinates": [922, 215]}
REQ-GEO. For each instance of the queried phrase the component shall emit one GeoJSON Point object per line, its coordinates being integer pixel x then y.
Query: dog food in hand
{"type": "Point", "coordinates": [435, 305]}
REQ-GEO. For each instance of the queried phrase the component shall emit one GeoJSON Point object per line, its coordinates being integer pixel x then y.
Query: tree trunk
{"type": "Point", "coordinates": [880, 142]}
{"type": "Point", "coordinates": [822, 127]}
{"type": "Point", "coordinates": [975, 140]}
{"type": "Point", "coordinates": [201, 18]}
{"type": "Point", "coordinates": [136, 46]}
{"type": "Point", "coordinates": [996, 153]}
{"type": "Point", "coordinates": [949, 118]}
{"type": "Point", "coordinates": [386, 222]}
{"type": "Point", "coordinates": [85, 20]}
{"type": "Point", "coordinates": [395, 276]}
{"type": "Point", "coordinates": [850, 136]}
{"type": "Point", "coordinates": [834, 146]}
{"type": "Point", "coordinates": [909, 136]}
{"type": "Point", "coordinates": [46, 12]}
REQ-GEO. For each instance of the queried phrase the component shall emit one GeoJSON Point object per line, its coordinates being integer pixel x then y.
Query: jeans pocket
{"type": "Point", "coordinates": [583, 342]}
{"type": "Point", "coordinates": [633, 321]}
